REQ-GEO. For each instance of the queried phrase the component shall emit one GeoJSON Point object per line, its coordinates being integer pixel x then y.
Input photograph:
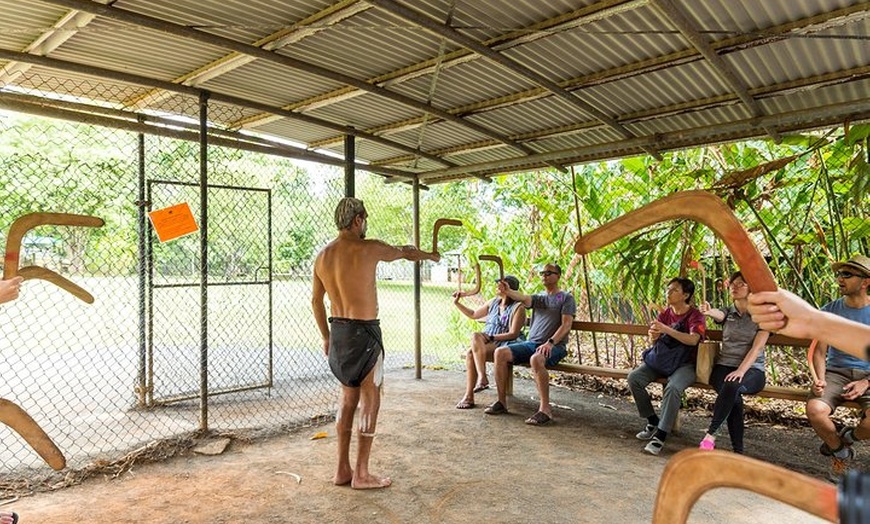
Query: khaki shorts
{"type": "Point", "coordinates": [836, 379]}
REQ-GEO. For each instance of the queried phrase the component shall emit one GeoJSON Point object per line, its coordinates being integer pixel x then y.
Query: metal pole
{"type": "Point", "coordinates": [418, 354]}
{"type": "Point", "coordinates": [585, 270]}
{"type": "Point", "coordinates": [271, 299]}
{"type": "Point", "coordinates": [203, 260]}
{"type": "Point", "coordinates": [349, 165]}
{"type": "Point", "coordinates": [142, 269]}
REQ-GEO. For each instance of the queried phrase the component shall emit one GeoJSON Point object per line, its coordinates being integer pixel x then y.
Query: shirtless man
{"type": "Point", "coordinates": [345, 270]}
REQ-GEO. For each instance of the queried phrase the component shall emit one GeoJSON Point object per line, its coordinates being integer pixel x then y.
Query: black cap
{"type": "Point", "coordinates": [512, 281]}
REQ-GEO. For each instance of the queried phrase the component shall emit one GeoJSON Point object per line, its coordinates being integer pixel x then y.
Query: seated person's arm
{"type": "Point", "coordinates": [474, 314]}
{"type": "Point", "coordinates": [564, 328]}
{"type": "Point", "coordinates": [518, 320]}
{"type": "Point", "coordinates": [758, 344]}
{"type": "Point", "coordinates": [525, 300]}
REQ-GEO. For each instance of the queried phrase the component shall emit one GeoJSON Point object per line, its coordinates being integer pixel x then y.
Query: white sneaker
{"type": "Point", "coordinates": [647, 432]}
{"type": "Point", "coordinates": [654, 447]}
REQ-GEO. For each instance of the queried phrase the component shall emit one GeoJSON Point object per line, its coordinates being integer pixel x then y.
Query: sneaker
{"type": "Point", "coordinates": [707, 445]}
{"type": "Point", "coordinates": [847, 436]}
{"type": "Point", "coordinates": [840, 465]}
{"type": "Point", "coordinates": [647, 432]}
{"type": "Point", "coordinates": [654, 447]}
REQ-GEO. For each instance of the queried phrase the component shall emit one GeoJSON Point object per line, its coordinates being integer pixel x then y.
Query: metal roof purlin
{"type": "Point", "coordinates": [99, 72]}
{"type": "Point", "coordinates": [156, 24]}
{"type": "Point", "coordinates": [812, 24]}
{"type": "Point", "coordinates": [677, 17]}
{"type": "Point", "coordinates": [277, 40]}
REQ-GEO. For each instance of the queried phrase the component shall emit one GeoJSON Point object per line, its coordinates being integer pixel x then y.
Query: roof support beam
{"type": "Point", "coordinates": [691, 33]}
{"type": "Point", "coordinates": [128, 78]}
{"type": "Point", "coordinates": [129, 17]}
{"type": "Point", "coordinates": [810, 25]}
{"type": "Point", "coordinates": [741, 129]}
{"type": "Point", "coordinates": [290, 35]}
{"type": "Point", "coordinates": [46, 108]}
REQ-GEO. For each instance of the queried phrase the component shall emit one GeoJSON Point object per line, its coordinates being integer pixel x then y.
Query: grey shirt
{"type": "Point", "coordinates": [547, 316]}
{"type": "Point", "coordinates": [738, 333]}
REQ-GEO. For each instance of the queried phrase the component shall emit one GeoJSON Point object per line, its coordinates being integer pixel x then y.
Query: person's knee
{"type": "Point", "coordinates": [538, 363]}
{"type": "Point", "coordinates": [818, 410]}
{"type": "Point", "coordinates": [502, 355]}
{"type": "Point", "coordinates": [478, 338]}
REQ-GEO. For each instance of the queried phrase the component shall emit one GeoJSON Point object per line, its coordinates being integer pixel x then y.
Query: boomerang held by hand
{"type": "Point", "coordinates": [25, 223]}
{"type": "Point", "coordinates": [703, 207]}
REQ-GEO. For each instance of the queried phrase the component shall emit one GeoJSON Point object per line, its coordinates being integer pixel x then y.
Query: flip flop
{"type": "Point", "coordinates": [538, 419]}
{"type": "Point", "coordinates": [478, 389]}
{"type": "Point", "coordinates": [465, 404]}
{"type": "Point", "coordinates": [497, 408]}
{"type": "Point", "coordinates": [13, 515]}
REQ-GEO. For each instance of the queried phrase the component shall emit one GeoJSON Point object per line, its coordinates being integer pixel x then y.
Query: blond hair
{"type": "Point", "coordinates": [347, 209]}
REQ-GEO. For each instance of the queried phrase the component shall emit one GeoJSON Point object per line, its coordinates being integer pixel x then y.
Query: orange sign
{"type": "Point", "coordinates": [173, 222]}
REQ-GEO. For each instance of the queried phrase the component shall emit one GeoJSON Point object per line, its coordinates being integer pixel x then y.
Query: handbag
{"type": "Point", "coordinates": [667, 354]}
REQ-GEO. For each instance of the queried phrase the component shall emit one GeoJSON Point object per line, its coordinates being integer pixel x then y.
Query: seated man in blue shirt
{"type": "Point", "coordinates": [842, 376]}
{"type": "Point", "coordinates": [553, 315]}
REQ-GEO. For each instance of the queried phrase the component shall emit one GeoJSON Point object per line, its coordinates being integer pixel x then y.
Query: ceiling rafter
{"type": "Point", "coordinates": [727, 73]}
{"type": "Point", "coordinates": [285, 37]}
{"type": "Point", "coordinates": [419, 19]}
{"type": "Point", "coordinates": [639, 116]}
{"type": "Point", "coordinates": [803, 119]}
{"type": "Point", "coordinates": [65, 28]}
{"type": "Point", "coordinates": [129, 78]}
{"type": "Point", "coordinates": [156, 24]}
{"type": "Point", "coordinates": [805, 26]}
{"type": "Point", "coordinates": [578, 18]}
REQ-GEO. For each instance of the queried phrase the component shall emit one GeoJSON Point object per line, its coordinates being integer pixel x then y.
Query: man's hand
{"type": "Point", "coordinates": [544, 349]}
{"type": "Point", "coordinates": [855, 389]}
{"type": "Point", "coordinates": [819, 387]}
{"type": "Point", "coordinates": [782, 311]}
{"type": "Point", "coordinates": [10, 289]}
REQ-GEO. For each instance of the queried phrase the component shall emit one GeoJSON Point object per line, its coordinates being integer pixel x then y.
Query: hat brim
{"type": "Point", "coordinates": [864, 272]}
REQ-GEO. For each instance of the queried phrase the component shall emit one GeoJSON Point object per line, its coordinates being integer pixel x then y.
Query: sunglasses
{"type": "Point", "coordinates": [845, 274]}
{"type": "Point", "coordinates": [547, 273]}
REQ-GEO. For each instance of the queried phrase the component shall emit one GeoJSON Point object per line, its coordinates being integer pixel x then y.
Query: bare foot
{"type": "Point", "coordinates": [341, 478]}
{"type": "Point", "coordinates": [371, 482]}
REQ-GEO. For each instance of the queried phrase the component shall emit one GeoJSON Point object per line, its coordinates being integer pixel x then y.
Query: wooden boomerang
{"type": "Point", "coordinates": [702, 207]}
{"type": "Point", "coordinates": [438, 224]}
{"type": "Point", "coordinates": [476, 289]}
{"type": "Point", "coordinates": [18, 419]}
{"type": "Point", "coordinates": [692, 472]}
{"type": "Point", "coordinates": [497, 260]}
{"type": "Point", "coordinates": [25, 223]}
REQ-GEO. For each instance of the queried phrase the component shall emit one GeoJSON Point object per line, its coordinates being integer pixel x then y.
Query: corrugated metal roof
{"type": "Point", "coordinates": [442, 89]}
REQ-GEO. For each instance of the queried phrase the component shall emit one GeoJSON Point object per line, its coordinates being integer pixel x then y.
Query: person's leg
{"type": "Point", "coordinates": [538, 363]}
{"type": "Point", "coordinates": [370, 404]}
{"type": "Point", "coordinates": [820, 409]}
{"type": "Point", "coordinates": [347, 403]}
{"type": "Point", "coordinates": [724, 399]}
{"type": "Point", "coordinates": [638, 380]}
{"type": "Point", "coordinates": [672, 398]}
{"type": "Point", "coordinates": [502, 360]}
{"type": "Point", "coordinates": [480, 349]}
{"type": "Point", "coordinates": [753, 381]}
{"type": "Point", "coordinates": [470, 382]}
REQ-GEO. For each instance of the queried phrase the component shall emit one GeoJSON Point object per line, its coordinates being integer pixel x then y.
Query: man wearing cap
{"type": "Point", "coordinates": [845, 377]}
{"type": "Point", "coordinates": [553, 315]}
{"type": "Point", "coordinates": [505, 318]}
{"type": "Point", "coordinates": [345, 270]}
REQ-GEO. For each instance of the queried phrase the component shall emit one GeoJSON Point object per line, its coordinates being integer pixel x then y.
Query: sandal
{"type": "Point", "coordinates": [539, 419]}
{"type": "Point", "coordinates": [497, 408]}
{"type": "Point", "coordinates": [480, 387]}
{"type": "Point", "coordinates": [465, 404]}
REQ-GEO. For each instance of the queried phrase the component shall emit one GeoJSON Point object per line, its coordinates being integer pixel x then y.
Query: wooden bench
{"type": "Point", "coordinates": [769, 391]}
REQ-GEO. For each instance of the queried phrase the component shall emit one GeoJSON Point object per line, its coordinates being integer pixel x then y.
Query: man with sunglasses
{"type": "Point", "coordinates": [845, 377]}
{"type": "Point", "coordinates": [553, 315]}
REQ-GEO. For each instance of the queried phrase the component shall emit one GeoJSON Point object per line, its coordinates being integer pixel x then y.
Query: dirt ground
{"type": "Point", "coordinates": [448, 466]}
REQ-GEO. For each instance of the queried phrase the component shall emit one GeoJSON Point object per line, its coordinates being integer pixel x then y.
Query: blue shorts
{"type": "Point", "coordinates": [523, 351]}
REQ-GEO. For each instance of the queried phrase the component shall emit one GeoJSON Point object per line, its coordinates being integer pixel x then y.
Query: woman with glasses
{"type": "Point", "coordinates": [739, 368]}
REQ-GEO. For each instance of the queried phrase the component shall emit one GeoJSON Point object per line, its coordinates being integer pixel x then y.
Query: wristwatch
{"type": "Point", "coordinates": [551, 341]}
{"type": "Point", "coordinates": [491, 338]}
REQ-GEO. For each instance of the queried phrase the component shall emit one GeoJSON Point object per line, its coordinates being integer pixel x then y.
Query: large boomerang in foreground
{"type": "Point", "coordinates": [703, 207]}
{"type": "Point", "coordinates": [10, 413]}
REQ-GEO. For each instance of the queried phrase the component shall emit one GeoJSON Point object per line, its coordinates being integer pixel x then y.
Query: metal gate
{"type": "Point", "coordinates": [238, 351]}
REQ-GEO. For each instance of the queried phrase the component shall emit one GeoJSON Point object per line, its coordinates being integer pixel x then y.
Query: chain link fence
{"type": "Point", "coordinates": [105, 378]}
